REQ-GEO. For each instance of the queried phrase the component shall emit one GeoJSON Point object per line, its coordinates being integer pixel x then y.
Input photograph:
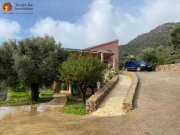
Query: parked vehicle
{"type": "Point", "coordinates": [137, 65]}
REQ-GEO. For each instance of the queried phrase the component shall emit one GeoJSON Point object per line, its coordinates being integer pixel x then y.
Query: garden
{"type": "Point", "coordinates": [14, 98]}
{"type": "Point", "coordinates": [33, 69]}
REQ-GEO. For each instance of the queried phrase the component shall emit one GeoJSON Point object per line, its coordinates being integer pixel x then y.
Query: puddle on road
{"type": "Point", "coordinates": [36, 109]}
{"type": "Point", "coordinates": [28, 109]}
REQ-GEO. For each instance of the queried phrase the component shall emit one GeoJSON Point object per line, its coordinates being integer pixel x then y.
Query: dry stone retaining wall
{"type": "Point", "coordinates": [168, 68]}
{"type": "Point", "coordinates": [94, 101]}
{"type": "Point", "coordinates": [128, 104]}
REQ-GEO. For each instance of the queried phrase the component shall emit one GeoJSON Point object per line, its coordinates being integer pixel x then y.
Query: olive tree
{"type": "Point", "coordinates": [35, 61]}
{"type": "Point", "coordinates": [7, 74]}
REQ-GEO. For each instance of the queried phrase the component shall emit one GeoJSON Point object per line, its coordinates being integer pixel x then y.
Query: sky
{"type": "Point", "coordinates": [83, 23]}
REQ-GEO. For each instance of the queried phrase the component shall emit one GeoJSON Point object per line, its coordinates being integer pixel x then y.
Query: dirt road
{"type": "Point", "coordinates": [157, 112]}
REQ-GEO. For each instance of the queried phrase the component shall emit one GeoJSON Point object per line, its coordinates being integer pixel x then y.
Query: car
{"type": "Point", "coordinates": [137, 65]}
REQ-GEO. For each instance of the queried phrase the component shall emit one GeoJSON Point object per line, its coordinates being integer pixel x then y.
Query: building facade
{"type": "Point", "coordinates": [109, 53]}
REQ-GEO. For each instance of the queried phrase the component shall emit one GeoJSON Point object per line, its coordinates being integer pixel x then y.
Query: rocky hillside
{"type": "Point", "coordinates": [158, 37]}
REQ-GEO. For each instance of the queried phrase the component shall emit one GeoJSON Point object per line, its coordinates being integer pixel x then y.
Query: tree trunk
{"type": "Point", "coordinates": [34, 92]}
{"type": "Point", "coordinates": [83, 94]}
{"type": "Point", "coordinates": [54, 87]}
{"type": "Point", "coordinates": [92, 90]}
{"type": "Point", "coordinates": [84, 97]}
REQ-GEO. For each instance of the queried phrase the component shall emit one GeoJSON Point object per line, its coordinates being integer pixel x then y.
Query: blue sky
{"type": "Point", "coordinates": [65, 10]}
{"type": "Point", "coordinates": [81, 23]}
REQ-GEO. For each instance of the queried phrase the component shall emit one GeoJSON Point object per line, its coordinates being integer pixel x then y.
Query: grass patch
{"type": "Point", "coordinates": [46, 93]}
{"type": "Point", "coordinates": [24, 98]}
{"type": "Point", "coordinates": [19, 95]}
{"type": "Point", "coordinates": [74, 107]}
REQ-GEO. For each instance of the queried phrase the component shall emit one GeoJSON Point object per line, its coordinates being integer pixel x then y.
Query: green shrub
{"type": "Point", "coordinates": [108, 74]}
{"type": "Point", "coordinates": [44, 92]}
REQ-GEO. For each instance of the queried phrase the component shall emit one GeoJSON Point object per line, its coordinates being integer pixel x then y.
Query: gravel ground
{"type": "Point", "coordinates": [157, 112]}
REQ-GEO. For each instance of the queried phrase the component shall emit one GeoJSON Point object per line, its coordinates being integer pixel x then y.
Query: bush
{"type": "Point", "coordinates": [108, 74]}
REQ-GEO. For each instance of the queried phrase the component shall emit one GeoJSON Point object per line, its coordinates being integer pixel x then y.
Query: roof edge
{"type": "Point", "coordinates": [95, 46]}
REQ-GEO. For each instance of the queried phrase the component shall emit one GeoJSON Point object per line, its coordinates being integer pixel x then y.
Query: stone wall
{"type": "Point", "coordinates": [168, 68]}
{"type": "Point", "coordinates": [128, 102]}
{"type": "Point", "coordinates": [94, 101]}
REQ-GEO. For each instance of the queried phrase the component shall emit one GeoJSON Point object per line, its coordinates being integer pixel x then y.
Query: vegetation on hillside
{"type": "Point", "coordinates": [175, 37]}
{"type": "Point", "coordinates": [159, 46]}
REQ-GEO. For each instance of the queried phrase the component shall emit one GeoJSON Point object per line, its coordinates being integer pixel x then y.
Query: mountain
{"type": "Point", "coordinates": [156, 38]}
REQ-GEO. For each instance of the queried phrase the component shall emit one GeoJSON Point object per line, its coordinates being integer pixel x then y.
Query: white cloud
{"type": "Point", "coordinates": [104, 22]}
{"type": "Point", "coordinates": [8, 29]}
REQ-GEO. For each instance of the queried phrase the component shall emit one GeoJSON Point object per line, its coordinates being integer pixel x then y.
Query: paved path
{"type": "Point", "coordinates": [157, 112]}
{"type": "Point", "coordinates": [112, 104]}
